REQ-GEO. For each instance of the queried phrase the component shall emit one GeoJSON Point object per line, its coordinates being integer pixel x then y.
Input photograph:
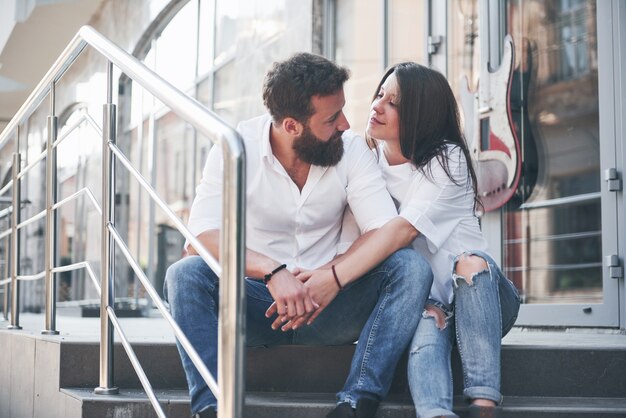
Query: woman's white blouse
{"type": "Point", "coordinates": [442, 211]}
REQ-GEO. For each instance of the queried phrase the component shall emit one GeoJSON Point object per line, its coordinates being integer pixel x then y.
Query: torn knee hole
{"type": "Point", "coordinates": [431, 311]}
{"type": "Point", "coordinates": [467, 266]}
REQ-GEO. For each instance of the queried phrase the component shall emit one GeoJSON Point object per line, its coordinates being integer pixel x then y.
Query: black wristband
{"type": "Point", "coordinates": [268, 276]}
{"type": "Point", "coordinates": [336, 278]}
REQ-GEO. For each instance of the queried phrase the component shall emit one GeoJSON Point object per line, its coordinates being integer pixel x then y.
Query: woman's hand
{"type": "Point", "coordinates": [322, 288]}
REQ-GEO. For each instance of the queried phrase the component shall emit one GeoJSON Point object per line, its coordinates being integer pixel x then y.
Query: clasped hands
{"type": "Point", "coordinates": [300, 296]}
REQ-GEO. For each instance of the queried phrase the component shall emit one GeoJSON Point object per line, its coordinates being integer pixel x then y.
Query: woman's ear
{"type": "Point", "coordinates": [292, 126]}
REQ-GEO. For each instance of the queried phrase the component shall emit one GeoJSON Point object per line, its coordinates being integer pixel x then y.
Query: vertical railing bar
{"type": "Point", "coordinates": [15, 243]}
{"type": "Point", "coordinates": [232, 307]}
{"type": "Point", "coordinates": [107, 295]}
{"type": "Point", "coordinates": [7, 265]}
{"type": "Point", "coordinates": [50, 232]}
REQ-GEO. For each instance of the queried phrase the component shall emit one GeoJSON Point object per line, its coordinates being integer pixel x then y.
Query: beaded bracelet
{"type": "Point", "coordinates": [268, 276]}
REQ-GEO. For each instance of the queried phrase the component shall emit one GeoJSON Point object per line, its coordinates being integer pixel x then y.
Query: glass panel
{"type": "Point", "coordinates": [226, 93]}
{"type": "Point", "coordinates": [551, 225]}
{"type": "Point", "coordinates": [176, 48]}
{"type": "Point", "coordinates": [175, 139]}
{"type": "Point", "coordinates": [226, 27]}
{"type": "Point", "coordinates": [552, 242]}
{"type": "Point", "coordinates": [205, 36]}
{"type": "Point", "coordinates": [464, 45]}
{"type": "Point", "coordinates": [358, 47]}
{"type": "Point", "coordinates": [406, 34]}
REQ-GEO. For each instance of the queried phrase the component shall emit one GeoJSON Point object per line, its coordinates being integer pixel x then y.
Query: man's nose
{"type": "Point", "coordinates": [343, 124]}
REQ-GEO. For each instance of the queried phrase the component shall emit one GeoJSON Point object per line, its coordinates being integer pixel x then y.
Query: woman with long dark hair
{"type": "Point", "coordinates": [415, 129]}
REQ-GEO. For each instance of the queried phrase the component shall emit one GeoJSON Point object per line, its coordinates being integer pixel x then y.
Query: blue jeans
{"type": "Point", "coordinates": [378, 310]}
{"type": "Point", "coordinates": [480, 315]}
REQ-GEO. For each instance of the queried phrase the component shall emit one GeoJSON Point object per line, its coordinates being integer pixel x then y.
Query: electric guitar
{"type": "Point", "coordinates": [491, 133]}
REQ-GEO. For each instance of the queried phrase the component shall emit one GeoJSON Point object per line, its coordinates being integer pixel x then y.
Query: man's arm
{"type": "Point", "coordinates": [257, 265]}
{"type": "Point", "coordinates": [292, 298]}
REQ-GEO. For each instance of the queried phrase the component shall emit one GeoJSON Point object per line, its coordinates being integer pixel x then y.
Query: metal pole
{"type": "Point", "coordinates": [231, 335]}
{"type": "Point", "coordinates": [7, 264]}
{"type": "Point", "coordinates": [15, 246]}
{"type": "Point", "coordinates": [51, 233]}
{"type": "Point", "coordinates": [386, 36]}
{"type": "Point", "coordinates": [107, 294]}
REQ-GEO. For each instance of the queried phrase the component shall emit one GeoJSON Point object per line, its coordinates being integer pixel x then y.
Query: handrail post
{"type": "Point", "coordinates": [15, 245]}
{"type": "Point", "coordinates": [107, 285]}
{"type": "Point", "coordinates": [231, 335]}
{"type": "Point", "coordinates": [50, 248]}
{"type": "Point", "coordinates": [7, 265]}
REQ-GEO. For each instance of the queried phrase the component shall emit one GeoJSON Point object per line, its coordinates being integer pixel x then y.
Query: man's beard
{"type": "Point", "coordinates": [313, 150]}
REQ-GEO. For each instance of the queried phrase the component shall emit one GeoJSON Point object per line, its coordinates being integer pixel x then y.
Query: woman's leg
{"type": "Point", "coordinates": [479, 323]}
{"type": "Point", "coordinates": [429, 370]}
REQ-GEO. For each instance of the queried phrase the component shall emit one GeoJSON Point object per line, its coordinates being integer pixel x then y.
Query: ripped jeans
{"type": "Point", "coordinates": [377, 310]}
{"type": "Point", "coordinates": [483, 311]}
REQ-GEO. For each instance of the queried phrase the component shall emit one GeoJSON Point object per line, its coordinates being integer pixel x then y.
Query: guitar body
{"type": "Point", "coordinates": [491, 133]}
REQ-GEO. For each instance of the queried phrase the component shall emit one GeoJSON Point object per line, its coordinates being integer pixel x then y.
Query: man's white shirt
{"type": "Point", "coordinates": [298, 228]}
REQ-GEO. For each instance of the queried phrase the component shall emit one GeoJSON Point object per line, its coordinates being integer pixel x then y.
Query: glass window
{"type": "Point", "coordinates": [226, 92]}
{"type": "Point", "coordinates": [225, 27]}
{"type": "Point", "coordinates": [552, 223]}
{"type": "Point", "coordinates": [206, 33]}
{"type": "Point", "coordinates": [176, 48]}
{"type": "Point", "coordinates": [359, 48]}
{"type": "Point", "coordinates": [463, 46]}
{"type": "Point", "coordinates": [406, 31]}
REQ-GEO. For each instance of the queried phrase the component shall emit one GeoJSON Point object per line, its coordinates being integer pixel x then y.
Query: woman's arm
{"type": "Point", "coordinates": [363, 256]}
{"type": "Point", "coordinates": [380, 244]}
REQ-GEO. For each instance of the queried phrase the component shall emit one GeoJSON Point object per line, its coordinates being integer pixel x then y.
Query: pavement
{"type": "Point", "coordinates": [155, 329]}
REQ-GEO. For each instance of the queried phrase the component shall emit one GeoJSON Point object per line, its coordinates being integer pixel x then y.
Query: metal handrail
{"type": "Point", "coordinates": [229, 389]}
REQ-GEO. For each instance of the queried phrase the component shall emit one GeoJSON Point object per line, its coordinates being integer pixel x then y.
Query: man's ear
{"type": "Point", "coordinates": [292, 126]}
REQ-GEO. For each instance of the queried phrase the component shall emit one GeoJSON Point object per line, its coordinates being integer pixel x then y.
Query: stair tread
{"type": "Point", "coordinates": [529, 403]}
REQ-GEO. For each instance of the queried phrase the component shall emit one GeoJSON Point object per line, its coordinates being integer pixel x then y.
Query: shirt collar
{"type": "Point", "coordinates": [266, 146]}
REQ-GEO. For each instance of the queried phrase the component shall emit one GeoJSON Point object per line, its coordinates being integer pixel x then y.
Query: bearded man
{"type": "Point", "coordinates": [303, 170]}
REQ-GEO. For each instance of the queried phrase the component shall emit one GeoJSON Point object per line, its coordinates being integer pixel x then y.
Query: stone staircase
{"type": "Point", "coordinates": [545, 374]}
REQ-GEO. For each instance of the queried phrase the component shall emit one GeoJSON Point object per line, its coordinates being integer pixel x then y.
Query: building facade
{"type": "Point", "coordinates": [552, 72]}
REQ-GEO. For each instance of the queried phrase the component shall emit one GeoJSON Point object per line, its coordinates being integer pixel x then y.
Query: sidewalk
{"type": "Point", "coordinates": [155, 329]}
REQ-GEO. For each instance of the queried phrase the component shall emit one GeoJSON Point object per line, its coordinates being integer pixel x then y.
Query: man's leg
{"type": "Point", "coordinates": [381, 311]}
{"type": "Point", "coordinates": [192, 290]}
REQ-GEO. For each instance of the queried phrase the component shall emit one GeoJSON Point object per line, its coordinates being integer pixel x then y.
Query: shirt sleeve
{"type": "Point", "coordinates": [367, 193]}
{"type": "Point", "coordinates": [206, 210]}
{"type": "Point", "coordinates": [434, 202]}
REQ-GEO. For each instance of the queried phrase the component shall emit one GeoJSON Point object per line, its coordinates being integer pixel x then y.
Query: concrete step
{"type": "Point", "coordinates": [526, 370]}
{"type": "Point", "coordinates": [133, 403]}
{"type": "Point", "coordinates": [544, 374]}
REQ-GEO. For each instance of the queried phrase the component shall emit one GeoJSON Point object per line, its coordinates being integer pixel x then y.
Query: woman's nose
{"type": "Point", "coordinates": [376, 107]}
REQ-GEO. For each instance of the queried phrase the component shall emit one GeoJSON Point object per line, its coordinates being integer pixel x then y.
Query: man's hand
{"type": "Point", "coordinates": [323, 289]}
{"type": "Point", "coordinates": [292, 299]}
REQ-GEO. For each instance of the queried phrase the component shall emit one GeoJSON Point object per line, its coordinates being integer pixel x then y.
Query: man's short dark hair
{"type": "Point", "coordinates": [289, 85]}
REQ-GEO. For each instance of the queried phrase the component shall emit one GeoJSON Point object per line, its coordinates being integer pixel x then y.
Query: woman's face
{"type": "Point", "coordinates": [384, 121]}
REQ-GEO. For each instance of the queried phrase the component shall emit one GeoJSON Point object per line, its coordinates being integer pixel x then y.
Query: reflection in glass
{"type": "Point", "coordinates": [552, 239]}
{"type": "Point", "coordinates": [552, 225]}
